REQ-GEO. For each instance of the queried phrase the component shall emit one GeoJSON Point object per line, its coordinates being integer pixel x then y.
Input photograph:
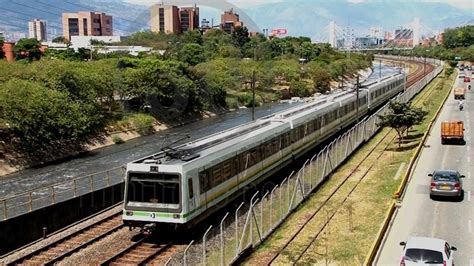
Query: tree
{"type": "Point", "coordinates": [459, 37]}
{"type": "Point", "coordinates": [321, 79]}
{"type": "Point", "coordinates": [299, 88]}
{"type": "Point", "coordinates": [241, 36]}
{"type": "Point", "coordinates": [27, 49]}
{"type": "Point", "coordinates": [61, 39]}
{"type": "Point", "coordinates": [47, 120]}
{"type": "Point", "coordinates": [191, 53]}
{"type": "Point", "coordinates": [400, 117]}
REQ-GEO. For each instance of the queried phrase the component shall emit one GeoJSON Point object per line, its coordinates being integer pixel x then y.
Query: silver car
{"type": "Point", "coordinates": [446, 183]}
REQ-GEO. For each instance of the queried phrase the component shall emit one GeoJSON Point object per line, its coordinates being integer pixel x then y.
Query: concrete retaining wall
{"type": "Point", "coordinates": [24, 229]}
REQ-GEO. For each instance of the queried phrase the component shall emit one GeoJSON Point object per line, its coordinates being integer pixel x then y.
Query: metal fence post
{"type": "Point", "coordinates": [271, 207]}
{"type": "Point", "coordinates": [237, 229]}
{"type": "Point", "coordinates": [280, 198]}
{"type": "Point", "coordinates": [251, 213]}
{"type": "Point", "coordinates": [222, 240]}
{"type": "Point", "coordinates": [261, 210]}
{"type": "Point", "coordinates": [168, 261]}
{"type": "Point", "coordinates": [204, 245]}
{"type": "Point", "coordinates": [185, 251]}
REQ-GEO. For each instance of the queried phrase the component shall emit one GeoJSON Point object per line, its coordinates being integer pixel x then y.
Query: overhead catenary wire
{"type": "Point", "coordinates": [115, 15]}
{"type": "Point", "coordinates": [117, 25]}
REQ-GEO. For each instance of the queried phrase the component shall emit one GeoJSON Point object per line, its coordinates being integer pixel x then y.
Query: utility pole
{"type": "Point", "coordinates": [253, 95]}
{"type": "Point", "coordinates": [357, 98]}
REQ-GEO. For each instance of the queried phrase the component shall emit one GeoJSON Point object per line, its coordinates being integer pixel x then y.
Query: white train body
{"type": "Point", "coordinates": [193, 180]}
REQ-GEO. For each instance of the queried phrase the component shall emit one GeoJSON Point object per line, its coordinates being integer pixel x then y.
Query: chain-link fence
{"type": "Point", "coordinates": [251, 222]}
{"type": "Point", "coordinates": [42, 197]}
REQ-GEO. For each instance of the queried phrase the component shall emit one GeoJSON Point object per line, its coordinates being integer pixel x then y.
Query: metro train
{"type": "Point", "coordinates": [182, 185]}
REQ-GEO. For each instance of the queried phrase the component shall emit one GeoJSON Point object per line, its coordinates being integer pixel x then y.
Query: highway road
{"type": "Point", "coordinates": [419, 215]}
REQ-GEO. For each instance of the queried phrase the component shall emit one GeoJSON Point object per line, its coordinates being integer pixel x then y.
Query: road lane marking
{"type": "Point", "coordinates": [469, 195]}
{"type": "Point", "coordinates": [468, 159]}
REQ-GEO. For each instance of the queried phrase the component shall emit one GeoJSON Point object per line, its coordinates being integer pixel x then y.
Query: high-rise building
{"type": "Point", "coordinates": [189, 18]}
{"type": "Point", "coordinates": [165, 19]}
{"type": "Point", "coordinates": [170, 19]}
{"type": "Point", "coordinates": [230, 20]}
{"type": "Point", "coordinates": [87, 24]}
{"type": "Point", "coordinates": [37, 30]}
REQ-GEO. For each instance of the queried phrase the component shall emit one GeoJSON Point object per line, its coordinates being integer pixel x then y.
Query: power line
{"type": "Point", "coordinates": [63, 9]}
{"type": "Point", "coordinates": [16, 3]}
{"type": "Point", "coordinates": [131, 21]}
{"type": "Point", "coordinates": [21, 13]}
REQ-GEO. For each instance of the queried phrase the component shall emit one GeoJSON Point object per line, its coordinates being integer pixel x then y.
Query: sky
{"type": "Point", "coordinates": [249, 3]}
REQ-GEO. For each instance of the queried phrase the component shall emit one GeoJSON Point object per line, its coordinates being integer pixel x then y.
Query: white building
{"type": "Point", "coordinates": [85, 42]}
{"type": "Point", "coordinates": [37, 30]}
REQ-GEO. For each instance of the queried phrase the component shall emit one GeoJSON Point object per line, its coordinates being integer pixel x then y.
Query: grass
{"type": "Point", "coordinates": [338, 244]}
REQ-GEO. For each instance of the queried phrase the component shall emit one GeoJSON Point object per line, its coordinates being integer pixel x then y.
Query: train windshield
{"type": "Point", "coordinates": [153, 190]}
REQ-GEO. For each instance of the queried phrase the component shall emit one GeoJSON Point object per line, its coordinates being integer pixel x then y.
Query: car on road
{"type": "Point", "coordinates": [426, 251]}
{"type": "Point", "coordinates": [446, 183]}
{"type": "Point", "coordinates": [467, 79]}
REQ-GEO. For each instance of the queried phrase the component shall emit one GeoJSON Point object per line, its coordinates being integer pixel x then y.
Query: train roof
{"type": "Point", "coordinates": [206, 145]}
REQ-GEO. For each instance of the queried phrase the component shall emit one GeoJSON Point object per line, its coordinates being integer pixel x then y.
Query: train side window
{"type": "Point", "coordinates": [254, 156]}
{"type": "Point", "coordinates": [268, 149]}
{"type": "Point", "coordinates": [226, 170]}
{"type": "Point", "coordinates": [216, 175]}
{"type": "Point", "coordinates": [204, 181]}
{"type": "Point", "coordinates": [190, 188]}
{"type": "Point", "coordinates": [244, 161]}
{"type": "Point", "coordinates": [235, 165]}
{"type": "Point", "coordinates": [274, 145]}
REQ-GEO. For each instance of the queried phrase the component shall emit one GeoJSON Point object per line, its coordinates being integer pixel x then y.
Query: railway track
{"type": "Point", "coordinates": [138, 253]}
{"type": "Point", "coordinates": [72, 243]}
{"type": "Point", "coordinates": [412, 79]}
{"type": "Point", "coordinates": [331, 195]}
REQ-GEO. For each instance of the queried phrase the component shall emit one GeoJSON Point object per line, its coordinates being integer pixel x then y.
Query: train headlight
{"type": "Point", "coordinates": [176, 216]}
{"type": "Point", "coordinates": [129, 213]}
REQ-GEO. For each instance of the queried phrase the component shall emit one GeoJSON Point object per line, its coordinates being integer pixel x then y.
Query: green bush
{"type": "Point", "coordinates": [299, 89]}
{"type": "Point", "coordinates": [117, 139]}
{"type": "Point", "coordinates": [143, 123]}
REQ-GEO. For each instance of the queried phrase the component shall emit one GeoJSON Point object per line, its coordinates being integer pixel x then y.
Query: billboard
{"type": "Point", "coordinates": [279, 32]}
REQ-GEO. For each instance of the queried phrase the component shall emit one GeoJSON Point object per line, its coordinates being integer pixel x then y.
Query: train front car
{"type": "Point", "coordinates": [153, 194]}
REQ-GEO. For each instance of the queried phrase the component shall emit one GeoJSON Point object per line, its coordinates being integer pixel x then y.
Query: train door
{"type": "Point", "coordinates": [203, 186]}
{"type": "Point", "coordinates": [192, 202]}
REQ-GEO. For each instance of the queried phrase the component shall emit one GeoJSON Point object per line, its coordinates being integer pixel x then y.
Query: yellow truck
{"type": "Point", "coordinates": [452, 131]}
{"type": "Point", "coordinates": [459, 94]}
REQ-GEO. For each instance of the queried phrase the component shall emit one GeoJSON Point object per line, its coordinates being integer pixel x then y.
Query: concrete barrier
{"type": "Point", "coordinates": [24, 229]}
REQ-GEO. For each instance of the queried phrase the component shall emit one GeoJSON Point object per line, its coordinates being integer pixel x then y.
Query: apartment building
{"type": "Point", "coordinates": [37, 30]}
{"type": "Point", "coordinates": [87, 24]}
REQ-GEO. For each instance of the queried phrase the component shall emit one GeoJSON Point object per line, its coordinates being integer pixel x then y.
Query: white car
{"type": "Point", "coordinates": [426, 251]}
